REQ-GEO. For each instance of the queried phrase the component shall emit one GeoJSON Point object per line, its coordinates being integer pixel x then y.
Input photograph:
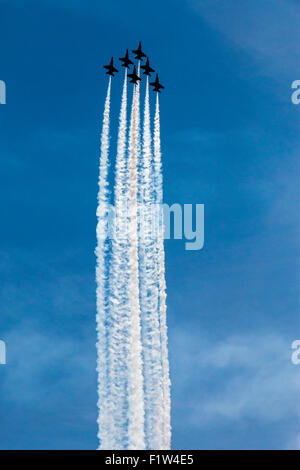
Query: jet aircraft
{"type": "Point", "coordinates": [126, 61]}
{"type": "Point", "coordinates": [156, 85]}
{"type": "Point", "coordinates": [147, 69]}
{"type": "Point", "coordinates": [134, 77]}
{"type": "Point", "coordinates": [110, 68]}
{"type": "Point", "coordinates": [139, 54]}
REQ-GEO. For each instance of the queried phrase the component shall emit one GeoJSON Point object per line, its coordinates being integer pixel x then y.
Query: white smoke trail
{"type": "Point", "coordinates": [138, 120]}
{"type": "Point", "coordinates": [119, 317]}
{"type": "Point", "coordinates": [152, 365]}
{"type": "Point", "coordinates": [135, 385]}
{"type": "Point", "coordinates": [131, 304]}
{"type": "Point", "coordinates": [104, 422]}
{"type": "Point", "coordinates": [162, 287]}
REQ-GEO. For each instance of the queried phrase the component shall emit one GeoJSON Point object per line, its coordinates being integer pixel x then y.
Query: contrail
{"type": "Point", "coordinates": [135, 385]}
{"type": "Point", "coordinates": [132, 348]}
{"type": "Point", "coordinates": [152, 365]}
{"type": "Point", "coordinates": [104, 422]}
{"type": "Point", "coordinates": [119, 318]}
{"type": "Point", "coordinates": [138, 131]}
{"type": "Point", "coordinates": [162, 286]}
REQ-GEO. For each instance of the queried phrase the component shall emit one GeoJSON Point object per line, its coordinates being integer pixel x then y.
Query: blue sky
{"type": "Point", "coordinates": [230, 138]}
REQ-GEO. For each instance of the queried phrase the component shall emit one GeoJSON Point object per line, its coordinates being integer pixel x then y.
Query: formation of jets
{"type": "Point", "coordinates": [126, 62]}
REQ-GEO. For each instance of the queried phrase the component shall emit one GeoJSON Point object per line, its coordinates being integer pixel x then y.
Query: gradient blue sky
{"type": "Point", "coordinates": [230, 138]}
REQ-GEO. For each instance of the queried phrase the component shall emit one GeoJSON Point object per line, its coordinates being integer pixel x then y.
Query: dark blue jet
{"type": "Point", "coordinates": [134, 77]}
{"type": "Point", "coordinates": [147, 68]}
{"type": "Point", "coordinates": [139, 54]}
{"type": "Point", "coordinates": [110, 68]}
{"type": "Point", "coordinates": [156, 85]}
{"type": "Point", "coordinates": [126, 61]}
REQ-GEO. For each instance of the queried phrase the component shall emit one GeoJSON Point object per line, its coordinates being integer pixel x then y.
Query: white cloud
{"type": "Point", "coordinates": [293, 443]}
{"type": "Point", "coordinates": [236, 378]}
{"type": "Point", "coordinates": [266, 29]}
{"type": "Point", "coordinates": [42, 368]}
